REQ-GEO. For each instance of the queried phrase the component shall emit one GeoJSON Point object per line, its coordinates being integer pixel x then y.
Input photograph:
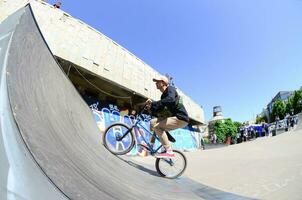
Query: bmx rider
{"type": "Point", "coordinates": [170, 112]}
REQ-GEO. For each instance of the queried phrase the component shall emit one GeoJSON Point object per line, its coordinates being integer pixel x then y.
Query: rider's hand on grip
{"type": "Point", "coordinates": [148, 104]}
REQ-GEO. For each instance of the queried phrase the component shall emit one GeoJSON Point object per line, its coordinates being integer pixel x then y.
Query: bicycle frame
{"type": "Point", "coordinates": [150, 148]}
{"type": "Point", "coordinates": [138, 125]}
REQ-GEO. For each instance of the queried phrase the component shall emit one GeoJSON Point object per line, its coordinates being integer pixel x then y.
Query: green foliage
{"type": "Point", "coordinates": [231, 128]}
{"type": "Point", "coordinates": [219, 129]}
{"type": "Point", "coordinates": [225, 128]}
{"type": "Point", "coordinates": [278, 110]}
{"type": "Point", "coordinates": [297, 101]}
{"type": "Point", "coordinates": [258, 119]}
{"type": "Point", "coordinates": [238, 124]}
{"type": "Point", "coordinates": [261, 119]}
{"type": "Point", "coordinates": [289, 106]}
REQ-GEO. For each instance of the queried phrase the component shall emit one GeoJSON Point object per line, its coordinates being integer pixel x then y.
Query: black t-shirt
{"type": "Point", "coordinates": [169, 99]}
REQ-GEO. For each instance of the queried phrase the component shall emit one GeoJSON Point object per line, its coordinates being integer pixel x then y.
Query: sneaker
{"type": "Point", "coordinates": [167, 154]}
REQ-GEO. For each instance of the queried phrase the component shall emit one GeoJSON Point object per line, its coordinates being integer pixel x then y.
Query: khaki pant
{"type": "Point", "coordinates": [160, 125]}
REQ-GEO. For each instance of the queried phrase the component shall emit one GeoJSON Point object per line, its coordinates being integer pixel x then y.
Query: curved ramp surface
{"type": "Point", "coordinates": [58, 129]}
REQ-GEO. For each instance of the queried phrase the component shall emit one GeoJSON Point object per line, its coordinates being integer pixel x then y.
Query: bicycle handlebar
{"type": "Point", "coordinates": [142, 110]}
{"type": "Point", "coordinates": [139, 114]}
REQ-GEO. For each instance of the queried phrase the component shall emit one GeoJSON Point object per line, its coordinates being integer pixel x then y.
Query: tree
{"type": "Point", "coordinates": [297, 101]}
{"type": "Point", "coordinates": [219, 130]}
{"type": "Point", "coordinates": [260, 119]}
{"type": "Point", "coordinates": [224, 129]}
{"type": "Point", "coordinates": [238, 124]}
{"type": "Point", "coordinates": [289, 106]}
{"type": "Point", "coordinates": [278, 110]}
{"type": "Point", "coordinates": [231, 128]}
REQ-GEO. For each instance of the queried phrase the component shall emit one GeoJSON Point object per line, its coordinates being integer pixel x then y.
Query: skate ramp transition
{"type": "Point", "coordinates": [50, 146]}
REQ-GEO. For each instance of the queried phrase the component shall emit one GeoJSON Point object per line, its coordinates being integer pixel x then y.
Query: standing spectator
{"type": "Point", "coordinates": [202, 143]}
{"type": "Point", "coordinates": [252, 133]}
{"type": "Point", "coordinates": [266, 129]}
{"type": "Point", "coordinates": [238, 140]}
{"type": "Point", "coordinates": [262, 129]}
{"type": "Point", "coordinates": [292, 121]}
{"type": "Point", "coordinates": [277, 119]}
{"type": "Point", "coordinates": [256, 133]}
{"type": "Point", "coordinates": [58, 4]}
{"type": "Point", "coordinates": [241, 134]}
{"type": "Point", "coordinates": [249, 133]}
{"type": "Point", "coordinates": [213, 138]}
{"type": "Point", "coordinates": [245, 134]}
{"type": "Point", "coordinates": [287, 120]}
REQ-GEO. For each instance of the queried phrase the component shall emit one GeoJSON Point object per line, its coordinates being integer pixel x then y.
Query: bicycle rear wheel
{"type": "Point", "coordinates": [171, 167]}
{"type": "Point", "coordinates": [113, 142]}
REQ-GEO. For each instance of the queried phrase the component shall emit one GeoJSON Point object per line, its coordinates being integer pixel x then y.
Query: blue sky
{"type": "Point", "coordinates": [233, 53]}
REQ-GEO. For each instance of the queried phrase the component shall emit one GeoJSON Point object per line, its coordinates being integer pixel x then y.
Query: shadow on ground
{"type": "Point", "coordinates": [203, 191]}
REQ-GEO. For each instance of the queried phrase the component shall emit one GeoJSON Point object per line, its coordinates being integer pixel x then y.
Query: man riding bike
{"type": "Point", "coordinates": [170, 112]}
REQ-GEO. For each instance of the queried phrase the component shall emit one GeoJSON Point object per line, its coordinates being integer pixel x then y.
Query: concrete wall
{"type": "Point", "coordinates": [75, 41]}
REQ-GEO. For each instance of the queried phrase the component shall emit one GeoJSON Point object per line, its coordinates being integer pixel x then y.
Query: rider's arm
{"type": "Point", "coordinates": [167, 98]}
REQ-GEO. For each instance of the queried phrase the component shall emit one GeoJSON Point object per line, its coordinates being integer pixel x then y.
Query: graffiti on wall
{"type": "Point", "coordinates": [186, 138]}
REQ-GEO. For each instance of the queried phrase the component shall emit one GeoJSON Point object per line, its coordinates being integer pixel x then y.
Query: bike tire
{"type": "Point", "coordinates": [160, 161]}
{"type": "Point", "coordinates": [123, 128]}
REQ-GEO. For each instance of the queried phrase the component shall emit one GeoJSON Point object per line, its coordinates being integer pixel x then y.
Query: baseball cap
{"type": "Point", "coordinates": [161, 78]}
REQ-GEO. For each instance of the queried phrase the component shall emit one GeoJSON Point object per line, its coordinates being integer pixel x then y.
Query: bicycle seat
{"type": "Point", "coordinates": [170, 137]}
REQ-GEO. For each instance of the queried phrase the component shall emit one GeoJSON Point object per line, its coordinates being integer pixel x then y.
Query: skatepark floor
{"type": "Point", "coordinates": [266, 168]}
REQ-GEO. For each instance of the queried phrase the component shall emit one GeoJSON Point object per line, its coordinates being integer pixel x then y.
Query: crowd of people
{"type": "Point", "coordinates": [290, 122]}
{"type": "Point", "coordinates": [250, 132]}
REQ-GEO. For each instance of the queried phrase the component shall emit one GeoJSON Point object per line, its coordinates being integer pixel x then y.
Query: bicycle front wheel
{"type": "Point", "coordinates": [171, 167]}
{"type": "Point", "coordinates": [113, 141]}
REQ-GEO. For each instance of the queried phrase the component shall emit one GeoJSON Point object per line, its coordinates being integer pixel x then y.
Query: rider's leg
{"type": "Point", "coordinates": [155, 126]}
{"type": "Point", "coordinates": [154, 123]}
{"type": "Point", "coordinates": [168, 124]}
{"type": "Point", "coordinates": [163, 137]}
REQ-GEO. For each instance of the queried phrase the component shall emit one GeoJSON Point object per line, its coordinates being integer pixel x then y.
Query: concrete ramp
{"type": "Point", "coordinates": [50, 146]}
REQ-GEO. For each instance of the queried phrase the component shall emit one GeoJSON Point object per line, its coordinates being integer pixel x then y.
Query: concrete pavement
{"type": "Point", "coordinates": [266, 168]}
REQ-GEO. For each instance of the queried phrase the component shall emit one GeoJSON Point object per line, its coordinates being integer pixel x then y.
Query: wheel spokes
{"type": "Point", "coordinates": [113, 141]}
{"type": "Point", "coordinates": [172, 167]}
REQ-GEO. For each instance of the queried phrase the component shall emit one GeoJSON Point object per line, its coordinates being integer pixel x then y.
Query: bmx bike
{"type": "Point", "coordinates": [119, 139]}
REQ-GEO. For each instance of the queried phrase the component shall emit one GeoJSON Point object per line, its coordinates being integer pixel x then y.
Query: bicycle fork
{"type": "Point", "coordinates": [120, 138]}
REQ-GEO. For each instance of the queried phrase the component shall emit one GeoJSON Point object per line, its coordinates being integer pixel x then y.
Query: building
{"type": "Point", "coordinates": [283, 96]}
{"type": "Point", "coordinates": [92, 60]}
{"type": "Point", "coordinates": [110, 78]}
